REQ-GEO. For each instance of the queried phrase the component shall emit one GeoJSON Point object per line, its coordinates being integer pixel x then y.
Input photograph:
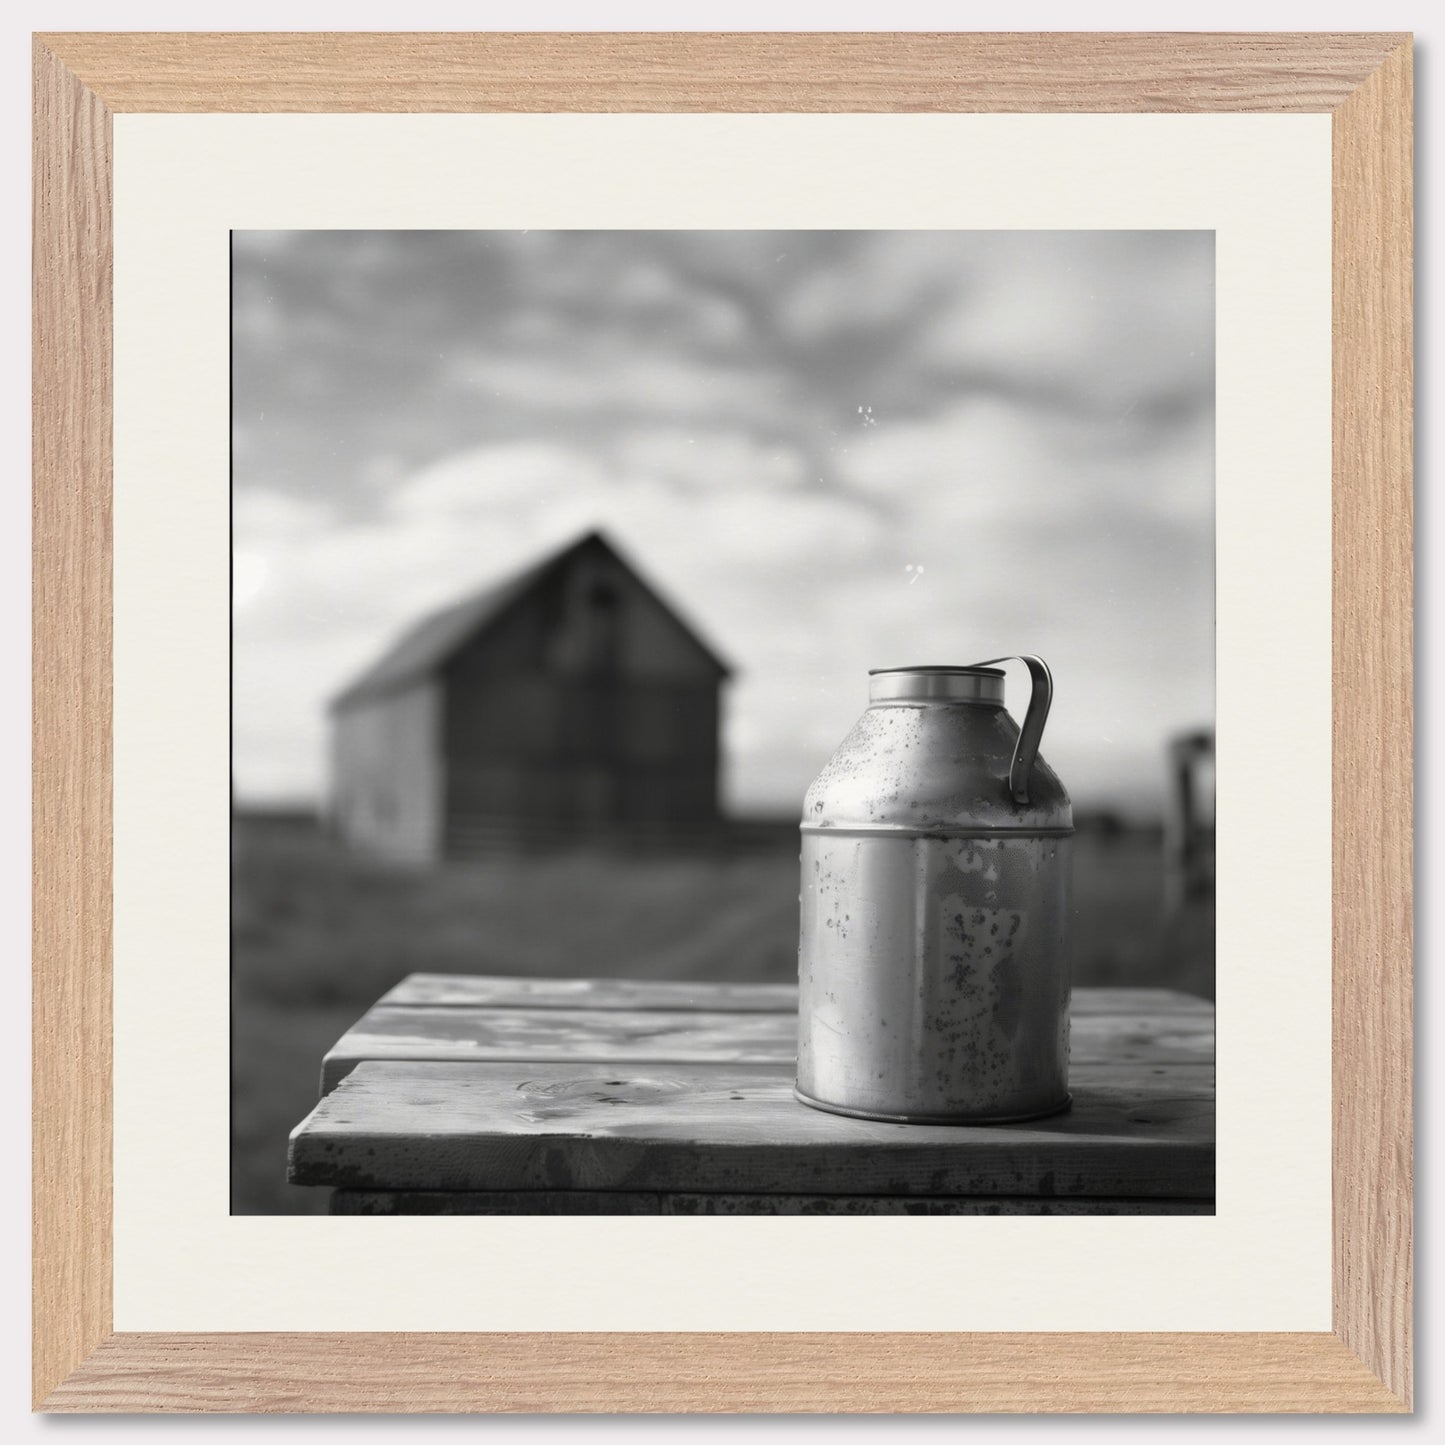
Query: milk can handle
{"type": "Point", "coordinates": [1027, 747]}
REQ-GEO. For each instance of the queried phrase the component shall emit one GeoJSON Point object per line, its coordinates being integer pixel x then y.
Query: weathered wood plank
{"type": "Point", "coordinates": [559, 1036]}
{"type": "Point", "coordinates": [682, 1128]}
{"type": "Point", "coordinates": [854, 1204]}
{"type": "Point", "coordinates": [494, 1201]}
{"type": "Point", "coordinates": [440, 990]}
{"type": "Point", "coordinates": [486, 1035]}
{"type": "Point", "coordinates": [575, 1201]}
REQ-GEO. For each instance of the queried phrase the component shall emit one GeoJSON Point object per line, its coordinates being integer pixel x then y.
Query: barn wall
{"type": "Point", "coordinates": [643, 751]}
{"type": "Point", "coordinates": [386, 773]}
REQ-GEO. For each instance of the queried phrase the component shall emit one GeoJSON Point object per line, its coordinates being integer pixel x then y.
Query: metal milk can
{"type": "Point", "coordinates": [933, 951]}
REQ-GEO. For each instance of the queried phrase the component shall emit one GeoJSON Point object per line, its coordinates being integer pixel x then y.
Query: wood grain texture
{"type": "Point", "coordinates": [80, 1365]}
{"type": "Point", "coordinates": [558, 1035]}
{"type": "Point", "coordinates": [996, 72]}
{"type": "Point", "coordinates": [773, 1373]}
{"type": "Point", "coordinates": [446, 990]}
{"type": "Point", "coordinates": [577, 1202]}
{"type": "Point", "coordinates": [1373, 700]}
{"type": "Point", "coordinates": [717, 1127]}
{"type": "Point", "coordinates": [71, 800]}
{"type": "Point", "coordinates": [466, 990]}
{"type": "Point", "coordinates": [460, 1034]}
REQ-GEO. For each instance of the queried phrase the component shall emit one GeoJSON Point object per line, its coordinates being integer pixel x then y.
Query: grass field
{"type": "Point", "coordinates": [318, 935]}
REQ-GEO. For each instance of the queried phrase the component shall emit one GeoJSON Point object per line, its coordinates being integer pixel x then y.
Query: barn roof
{"type": "Point", "coordinates": [430, 643]}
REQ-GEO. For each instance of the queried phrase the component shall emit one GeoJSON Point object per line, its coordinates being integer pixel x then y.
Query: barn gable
{"type": "Point", "coordinates": [478, 623]}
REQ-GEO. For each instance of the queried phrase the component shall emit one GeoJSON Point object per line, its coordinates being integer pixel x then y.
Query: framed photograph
{"type": "Point", "coordinates": [475, 478]}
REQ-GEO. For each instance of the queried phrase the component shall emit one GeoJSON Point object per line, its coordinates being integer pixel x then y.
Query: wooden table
{"type": "Point", "coordinates": [464, 1095]}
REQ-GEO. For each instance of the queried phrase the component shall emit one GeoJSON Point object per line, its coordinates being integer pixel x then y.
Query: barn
{"type": "Point", "coordinates": [567, 701]}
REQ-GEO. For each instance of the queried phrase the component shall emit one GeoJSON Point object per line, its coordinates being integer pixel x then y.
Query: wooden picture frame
{"type": "Point", "coordinates": [1364, 82]}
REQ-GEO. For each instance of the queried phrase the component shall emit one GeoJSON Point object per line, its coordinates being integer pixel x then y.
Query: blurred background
{"type": "Point", "coordinates": [812, 453]}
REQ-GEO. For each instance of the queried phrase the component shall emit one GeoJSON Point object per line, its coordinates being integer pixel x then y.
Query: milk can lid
{"type": "Point", "coordinates": [939, 684]}
{"type": "Point", "coordinates": [987, 671]}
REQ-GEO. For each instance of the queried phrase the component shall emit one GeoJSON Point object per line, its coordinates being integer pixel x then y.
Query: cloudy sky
{"type": "Point", "coordinates": [833, 451]}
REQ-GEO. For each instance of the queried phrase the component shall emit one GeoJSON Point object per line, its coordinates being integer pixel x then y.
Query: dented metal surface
{"type": "Point", "coordinates": [933, 950]}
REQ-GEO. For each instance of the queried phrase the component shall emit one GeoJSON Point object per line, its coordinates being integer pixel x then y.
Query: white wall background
{"type": "Point", "coordinates": [640, 14]}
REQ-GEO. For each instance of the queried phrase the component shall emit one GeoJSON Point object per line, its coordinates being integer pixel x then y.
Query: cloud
{"type": "Point", "coordinates": [832, 451]}
{"type": "Point", "coordinates": [594, 378]}
{"type": "Point", "coordinates": [1118, 321]}
{"type": "Point", "coordinates": [887, 281]}
{"type": "Point", "coordinates": [709, 459]}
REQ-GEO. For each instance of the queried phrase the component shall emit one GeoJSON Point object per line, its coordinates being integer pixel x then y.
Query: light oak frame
{"type": "Point", "coordinates": [1364, 82]}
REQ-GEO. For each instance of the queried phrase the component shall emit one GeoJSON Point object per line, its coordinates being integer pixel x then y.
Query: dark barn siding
{"type": "Point", "coordinates": [593, 754]}
{"type": "Point", "coordinates": [571, 714]}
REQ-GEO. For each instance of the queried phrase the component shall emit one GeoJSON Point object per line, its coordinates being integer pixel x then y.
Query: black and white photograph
{"type": "Point", "coordinates": [722, 722]}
